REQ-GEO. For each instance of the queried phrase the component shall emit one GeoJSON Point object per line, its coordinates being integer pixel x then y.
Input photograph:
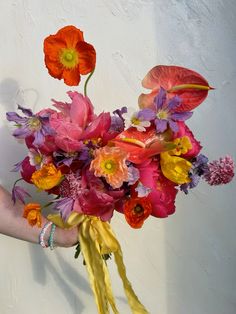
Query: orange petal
{"type": "Point", "coordinates": [70, 35]}
{"type": "Point", "coordinates": [55, 68]}
{"type": "Point", "coordinates": [53, 47]}
{"type": "Point", "coordinates": [87, 57]}
{"type": "Point", "coordinates": [146, 100]}
{"type": "Point", "coordinates": [71, 77]}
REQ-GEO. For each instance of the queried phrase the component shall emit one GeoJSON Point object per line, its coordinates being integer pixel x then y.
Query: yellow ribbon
{"type": "Point", "coordinates": [96, 239]}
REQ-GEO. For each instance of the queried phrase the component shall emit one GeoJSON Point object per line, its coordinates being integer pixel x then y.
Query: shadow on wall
{"type": "Point", "coordinates": [42, 267]}
{"type": "Point", "coordinates": [10, 151]}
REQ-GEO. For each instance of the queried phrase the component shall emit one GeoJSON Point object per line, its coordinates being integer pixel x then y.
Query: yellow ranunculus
{"type": "Point", "coordinates": [47, 177]}
{"type": "Point", "coordinates": [175, 168]}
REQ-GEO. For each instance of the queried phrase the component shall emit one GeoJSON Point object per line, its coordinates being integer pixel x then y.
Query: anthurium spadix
{"type": "Point", "coordinates": [190, 86]}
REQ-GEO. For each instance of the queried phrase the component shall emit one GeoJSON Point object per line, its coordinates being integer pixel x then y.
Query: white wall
{"type": "Point", "coordinates": [181, 265]}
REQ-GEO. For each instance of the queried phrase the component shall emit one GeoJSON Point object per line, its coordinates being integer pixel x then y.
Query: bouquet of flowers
{"type": "Point", "coordinates": [130, 161]}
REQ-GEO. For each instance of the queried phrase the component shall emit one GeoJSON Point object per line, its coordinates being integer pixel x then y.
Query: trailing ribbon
{"type": "Point", "coordinates": [96, 239]}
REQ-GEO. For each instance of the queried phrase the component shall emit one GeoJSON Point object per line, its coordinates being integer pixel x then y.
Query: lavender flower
{"type": "Point", "coordinates": [64, 206]}
{"type": "Point", "coordinates": [199, 168]}
{"type": "Point", "coordinates": [36, 125]}
{"type": "Point", "coordinates": [165, 111]}
{"type": "Point", "coordinates": [64, 158]}
{"type": "Point", "coordinates": [117, 120]}
{"type": "Point", "coordinates": [19, 193]}
{"type": "Point", "coordinates": [133, 175]}
{"type": "Point", "coordinates": [142, 190]}
{"type": "Point", "coordinates": [17, 166]}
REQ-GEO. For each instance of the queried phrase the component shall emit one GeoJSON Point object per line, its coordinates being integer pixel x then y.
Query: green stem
{"type": "Point", "coordinates": [86, 82]}
{"type": "Point", "coordinates": [16, 182]}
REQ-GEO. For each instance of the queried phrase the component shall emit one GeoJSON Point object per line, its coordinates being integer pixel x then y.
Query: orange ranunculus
{"type": "Point", "coordinates": [32, 212]}
{"type": "Point", "coordinates": [136, 210]}
{"type": "Point", "coordinates": [47, 177]}
{"type": "Point", "coordinates": [67, 55]}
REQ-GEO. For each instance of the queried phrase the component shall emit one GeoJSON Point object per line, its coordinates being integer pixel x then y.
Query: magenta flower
{"type": "Point", "coordinates": [96, 203]}
{"type": "Point", "coordinates": [220, 171]}
{"type": "Point", "coordinates": [163, 192]}
{"type": "Point", "coordinates": [36, 125]}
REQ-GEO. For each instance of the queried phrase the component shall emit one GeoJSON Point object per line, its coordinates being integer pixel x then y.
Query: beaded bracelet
{"type": "Point", "coordinates": [42, 234]}
{"type": "Point", "coordinates": [51, 237]}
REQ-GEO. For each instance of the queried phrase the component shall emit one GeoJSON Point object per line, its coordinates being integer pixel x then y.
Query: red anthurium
{"type": "Point", "coordinates": [142, 145]}
{"type": "Point", "coordinates": [190, 86]}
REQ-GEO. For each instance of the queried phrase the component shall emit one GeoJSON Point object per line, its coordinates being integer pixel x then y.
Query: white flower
{"type": "Point", "coordinates": [132, 119]}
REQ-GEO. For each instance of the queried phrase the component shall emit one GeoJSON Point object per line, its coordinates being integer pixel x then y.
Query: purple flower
{"type": "Point", "coordinates": [64, 206]}
{"type": "Point", "coordinates": [19, 193]}
{"type": "Point", "coordinates": [17, 166]}
{"type": "Point", "coordinates": [199, 168]}
{"type": "Point", "coordinates": [142, 190]}
{"type": "Point", "coordinates": [117, 121]}
{"type": "Point", "coordinates": [64, 158]}
{"type": "Point", "coordinates": [165, 112]}
{"type": "Point", "coordinates": [133, 175]}
{"type": "Point", "coordinates": [36, 125]}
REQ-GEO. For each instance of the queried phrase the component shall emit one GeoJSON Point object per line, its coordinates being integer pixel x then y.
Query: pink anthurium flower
{"type": "Point", "coordinates": [190, 86]}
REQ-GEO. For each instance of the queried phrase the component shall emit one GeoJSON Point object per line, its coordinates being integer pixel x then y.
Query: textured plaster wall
{"type": "Point", "coordinates": [181, 265]}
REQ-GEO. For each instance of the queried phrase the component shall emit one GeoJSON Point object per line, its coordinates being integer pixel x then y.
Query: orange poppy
{"type": "Point", "coordinates": [136, 210]}
{"type": "Point", "coordinates": [68, 56]}
{"type": "Point", "coordinates": [32, 212]}
{"type": "Point", "coordinates": [47, 177]}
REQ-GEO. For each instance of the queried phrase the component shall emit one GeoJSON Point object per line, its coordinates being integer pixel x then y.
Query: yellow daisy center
{"type": "Point", "coordinates": [69, 58]}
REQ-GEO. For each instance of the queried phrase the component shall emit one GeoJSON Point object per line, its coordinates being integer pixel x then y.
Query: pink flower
{"type": "Point", "coordinates": [80, 110]}
{"type": "Point", "coordinates": [185, 131]}
{"type": "Point", "coordinates": [70, 123]}
{"type": "Point", "coordinates": [163, 191]}
{"type": "Point", "coordinates": [95, 203]}
{"type": "Point", "coordinates": [99, 127]}
{"type": "Point", "coordinates": [27, 170]}
{"type": "Point", "coordinates": [220, 171]}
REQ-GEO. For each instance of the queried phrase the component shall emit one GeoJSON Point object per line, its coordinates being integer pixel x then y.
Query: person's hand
{"type": "Point", "coordinates": [66, 238]}
{"type": "Point", "coordinates": [14, 225]}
